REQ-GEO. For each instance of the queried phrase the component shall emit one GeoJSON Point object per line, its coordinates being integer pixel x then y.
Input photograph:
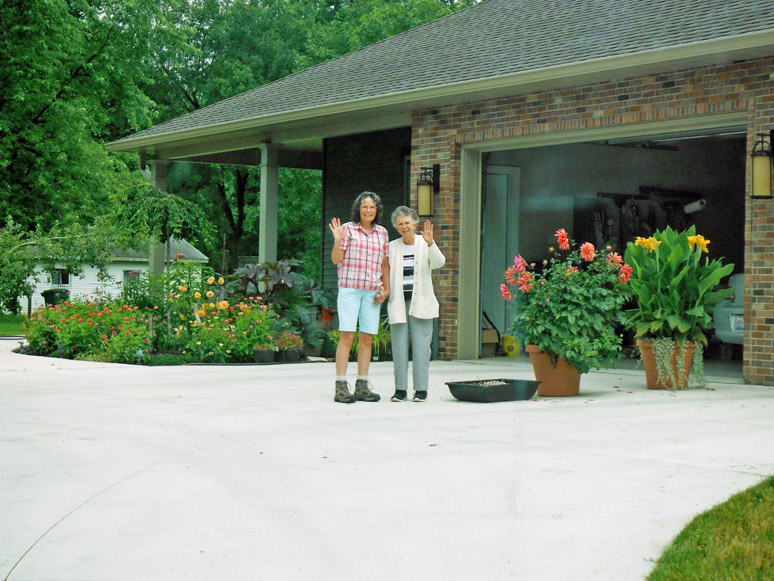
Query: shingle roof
{"type": "Point", "coordinates": [489, 40]}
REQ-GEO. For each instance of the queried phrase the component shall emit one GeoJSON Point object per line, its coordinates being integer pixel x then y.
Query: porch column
{"type": "Point", "coordinates": [267, 243]}
{"type": "Point", "coordinates": [157, 252]}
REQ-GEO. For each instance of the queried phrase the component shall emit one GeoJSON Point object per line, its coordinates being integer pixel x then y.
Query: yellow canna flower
{"type": "Point", "coordinates": [221, 280]}
{"type": "Point", "coordinates": [700, 240]}
{"type": "Point", "coordinates": [197, 295]}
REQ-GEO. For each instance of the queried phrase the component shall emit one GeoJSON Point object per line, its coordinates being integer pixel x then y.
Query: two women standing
{"type": "Point", "coordinates": [369, 268]}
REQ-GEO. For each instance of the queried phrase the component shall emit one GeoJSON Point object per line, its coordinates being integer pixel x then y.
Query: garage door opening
{"type": "Point", "coordinates": [610, 191]}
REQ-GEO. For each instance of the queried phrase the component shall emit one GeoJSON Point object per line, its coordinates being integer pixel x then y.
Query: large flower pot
{"type": "Point", "coordinates": [674, 380]}
{"type": "Point", "coordinates": [562, 380]}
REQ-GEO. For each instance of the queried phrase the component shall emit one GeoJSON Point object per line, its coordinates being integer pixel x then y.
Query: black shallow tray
{"type": "Point", "coordinates": [491, 390]}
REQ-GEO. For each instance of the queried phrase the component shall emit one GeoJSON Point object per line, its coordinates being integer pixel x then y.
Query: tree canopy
{"type": "Point", "coordinates": [75, 74]}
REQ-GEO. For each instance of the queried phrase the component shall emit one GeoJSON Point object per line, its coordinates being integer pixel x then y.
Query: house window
{"type": "Point", "coordinates": [60, 277]}
{"type": "Point", "coordinates": [131, 275]}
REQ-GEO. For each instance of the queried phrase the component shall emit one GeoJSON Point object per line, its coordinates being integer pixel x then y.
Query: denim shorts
{"type": "Point", "coordinates": [357, 304]}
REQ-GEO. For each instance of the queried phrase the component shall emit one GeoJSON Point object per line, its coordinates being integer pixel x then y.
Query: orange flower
{"type": "Point", "coordinates": [588, 252]}
{"type": "Point", "coordinates": [210, 294]}
{"type": "Point", "coordinates": [614, 258]}
{"type": "Point", "coordinates": [625, 273]}
{"type": "Point", "coordinates": [506, 292]}
{"type": "Point", "coordinates": [223, 305]}
{"type": "Point", "coordinates": [564, 240]}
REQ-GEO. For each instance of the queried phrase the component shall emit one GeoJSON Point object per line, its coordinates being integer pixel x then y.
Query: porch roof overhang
{"type": "Point", "coordinates": [298, 133]}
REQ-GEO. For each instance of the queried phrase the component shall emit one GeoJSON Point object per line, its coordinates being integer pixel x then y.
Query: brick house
{"type": "Point", "coordinates": [607, 118]}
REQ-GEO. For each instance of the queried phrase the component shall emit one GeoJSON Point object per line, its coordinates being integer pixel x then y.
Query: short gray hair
{"type": "Point", "coordinates": [403, 211]}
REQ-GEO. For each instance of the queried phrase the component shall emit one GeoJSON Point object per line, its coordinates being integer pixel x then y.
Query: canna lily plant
{"type": "Point", "coordinates": [674, 287]}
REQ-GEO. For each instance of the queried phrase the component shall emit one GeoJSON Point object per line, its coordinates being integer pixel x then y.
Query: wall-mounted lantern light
{"type": "Point", "coordinates": [428, 184]}
{"type": "Point", "coordinates": [762, 171]}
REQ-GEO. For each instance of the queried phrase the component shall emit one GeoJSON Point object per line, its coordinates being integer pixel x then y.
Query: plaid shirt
{"type": "Point", "coordinates": [363, 256]}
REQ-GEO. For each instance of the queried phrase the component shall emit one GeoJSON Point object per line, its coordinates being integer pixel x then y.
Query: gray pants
{"type": "Point", "coordinates": [421, 331]}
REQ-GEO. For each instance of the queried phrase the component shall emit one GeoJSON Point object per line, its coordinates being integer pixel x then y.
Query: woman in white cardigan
{"type": "Point", "coordinates": [412, 305]}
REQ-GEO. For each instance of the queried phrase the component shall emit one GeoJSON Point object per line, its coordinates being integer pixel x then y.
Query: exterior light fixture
{"type": "Point", "coordinates": [428, 184]}
{"type": "Point", "coordinates": [762, 172]}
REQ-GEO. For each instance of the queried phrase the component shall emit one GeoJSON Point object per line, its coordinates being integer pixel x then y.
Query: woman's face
{"type": "Point", "coordinates": [406, 226]}
{"type": "Point", "coordinates": [367, 211]}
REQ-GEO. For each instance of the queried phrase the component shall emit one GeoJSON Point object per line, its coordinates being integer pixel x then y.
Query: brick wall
{"type": "Point", "coordinates": [746, 86]}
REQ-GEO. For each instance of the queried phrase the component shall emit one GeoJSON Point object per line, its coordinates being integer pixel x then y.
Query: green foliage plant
{"type": "Point", "coordinates": [572, 306]}
{"type": "Point", "coordinates": [675, 287]}
{"type": "Point", "coordinates": [289, 340]}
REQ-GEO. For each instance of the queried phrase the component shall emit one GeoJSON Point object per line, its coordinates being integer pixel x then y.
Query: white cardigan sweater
{"type": "Point", "coordinates": [424, 305]}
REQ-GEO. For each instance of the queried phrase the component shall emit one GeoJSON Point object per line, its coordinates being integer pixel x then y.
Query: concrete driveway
{"type": "Point", "coordinates": [115, 472]}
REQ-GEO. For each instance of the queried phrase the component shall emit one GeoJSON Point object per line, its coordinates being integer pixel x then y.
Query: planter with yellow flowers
{"type": "Point", "coordinates": [675, 286]}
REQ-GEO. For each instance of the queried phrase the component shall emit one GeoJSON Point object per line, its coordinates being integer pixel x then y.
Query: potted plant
{"type": "Point", "coordinates": [567, 311]}
{"type": "Point", "coordinates": [289, 345]}
{"type": "Point", "coordinates": [264, 353]}
{"type": "Point", "coordinates": [314, 333]}
{"type": "Point", "coordinates": [676, 293]}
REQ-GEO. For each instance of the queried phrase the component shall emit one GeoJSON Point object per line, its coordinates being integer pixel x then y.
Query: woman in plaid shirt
{"type": "Point", "coordinates": [360, 253]}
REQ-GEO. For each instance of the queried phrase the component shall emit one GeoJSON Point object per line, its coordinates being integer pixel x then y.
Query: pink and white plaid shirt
{"type": "Point", "coordinates": [363, 255]}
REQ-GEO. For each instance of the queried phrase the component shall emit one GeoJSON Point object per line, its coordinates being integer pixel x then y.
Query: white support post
{"type": "Point", "coordinates": [267, 243]}
{"type": "Point", "coordinates": [156, 252]}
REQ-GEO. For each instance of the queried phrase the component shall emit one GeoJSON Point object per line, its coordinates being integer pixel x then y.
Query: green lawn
{"type": "Point", "coordinates": [11, 325]}
{"type": "Point", "coordinates": [733, 541]}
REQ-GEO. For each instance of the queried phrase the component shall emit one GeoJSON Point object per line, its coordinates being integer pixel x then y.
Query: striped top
{"type": "Point", "coordinates": [408, 271]}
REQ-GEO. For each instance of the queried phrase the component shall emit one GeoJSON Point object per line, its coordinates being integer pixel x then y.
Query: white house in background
{"type": "Point", "coordinates": [126, 265]}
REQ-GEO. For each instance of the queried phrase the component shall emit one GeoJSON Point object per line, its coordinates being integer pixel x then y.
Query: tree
{"type": "Point", "coordinates": [68, 78]}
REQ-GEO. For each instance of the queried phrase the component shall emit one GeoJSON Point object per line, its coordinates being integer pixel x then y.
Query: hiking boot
{"type": "Point", "coordinates": [420, 395]}
{"type": "Point", "coordinates": [363, 391]}
{"type": "Point", "coordinates": [342, 393]}
{"type": "Point", "coordinates": [400, 395]}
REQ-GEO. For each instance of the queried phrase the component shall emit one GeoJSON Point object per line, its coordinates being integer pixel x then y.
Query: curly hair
{"type": "Point", "coordinates": [404, 211]}
{"type": "Point", "coordinates": [359, 201]}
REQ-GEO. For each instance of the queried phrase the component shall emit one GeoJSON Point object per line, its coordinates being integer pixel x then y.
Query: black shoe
{"type": "Point", "coordinates": [400, 395]}
{"type": "Point", "coordinates": [420, 395]}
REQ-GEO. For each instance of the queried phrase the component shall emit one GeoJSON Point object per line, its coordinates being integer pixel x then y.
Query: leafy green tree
{"type": "Point", "coordinates": [68, 78]}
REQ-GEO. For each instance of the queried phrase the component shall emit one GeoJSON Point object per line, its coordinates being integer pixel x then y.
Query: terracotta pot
{"type": "Point", "coordinates": [562, 380]}
{"type": "Point", "coordinates": [651, 371]}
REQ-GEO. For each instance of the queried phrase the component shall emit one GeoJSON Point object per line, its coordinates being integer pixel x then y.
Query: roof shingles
{"type": "Point", "coordinates": [491, 39]}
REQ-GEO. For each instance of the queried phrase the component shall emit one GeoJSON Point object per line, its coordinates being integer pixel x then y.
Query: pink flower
{"type": "Point", "coordinates": [588, 252]}
{"type": "Point", "coordinates": [614, 258]}
{"type": "Point", "coordinates": [525, 282]}
{"type": "Point", "coordinates": [564, 240]}
{"type": "Point", "coordinates": [520, 263]}
{"type": "Point", "coordinates": [510, 275]}
{"type": "Point", "coordinates": [506, 293]}
{"type": "Point", "coordinates": [625, 273]}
